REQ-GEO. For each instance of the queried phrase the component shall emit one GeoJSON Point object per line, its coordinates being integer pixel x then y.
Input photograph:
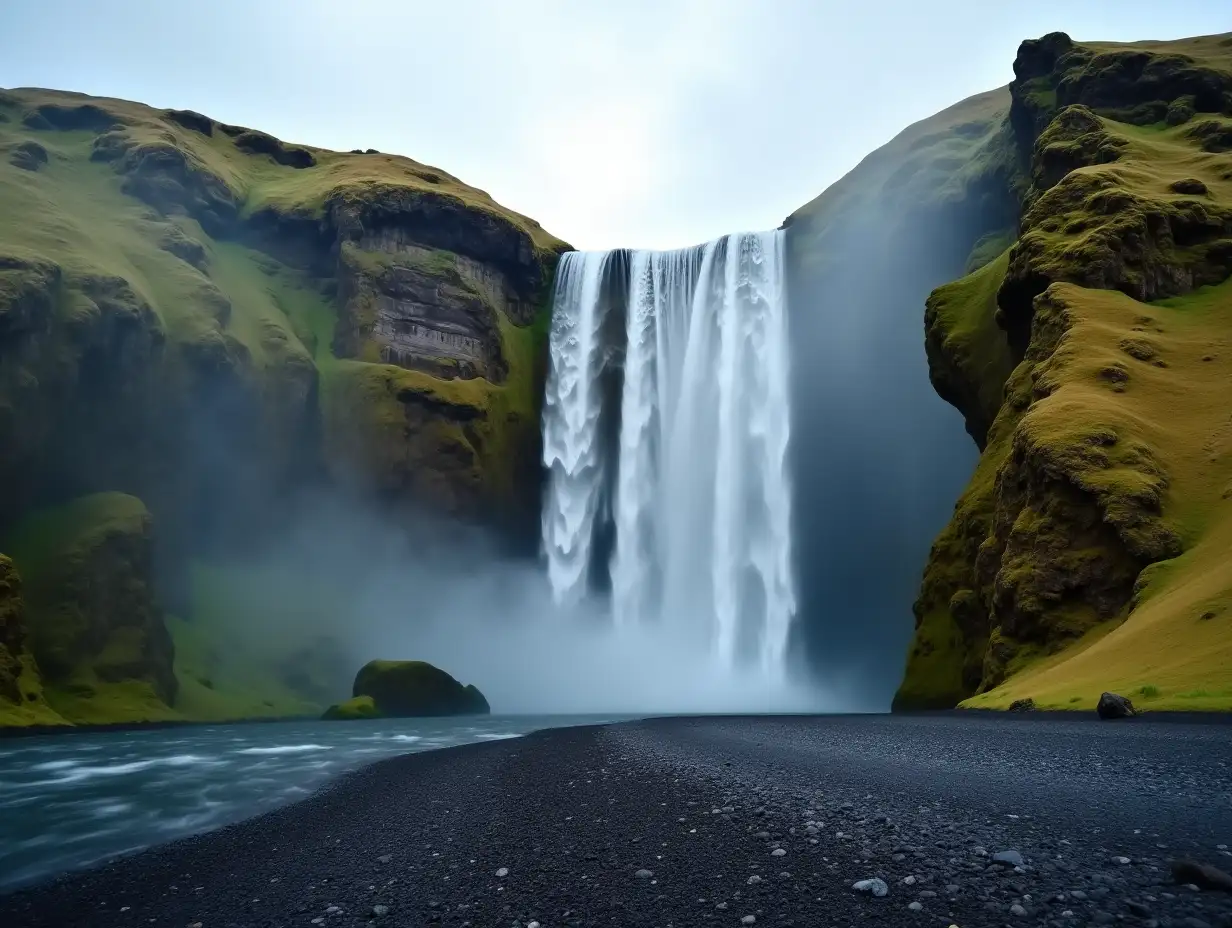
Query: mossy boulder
{"type": "Point", "coordinates": [359, 707]}
{"type": "Point", "coordinates": [416, 688]}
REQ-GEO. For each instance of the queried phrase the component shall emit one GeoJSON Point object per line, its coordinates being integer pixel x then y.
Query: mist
{"type": "Point", "coordinates": [370, 586]}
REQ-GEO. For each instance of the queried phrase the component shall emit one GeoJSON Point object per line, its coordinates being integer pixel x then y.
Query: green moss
{"type": "Point", "coordinates": [358, 707]}
{"type": "Point", "coordinates": [221, 680]}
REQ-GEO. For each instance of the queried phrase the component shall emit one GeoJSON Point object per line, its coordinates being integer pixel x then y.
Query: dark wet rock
{"type": "Point", "coordinates": [1008, 858]}
{"type": "Point", "coordinates": [1201, 875]}
{"type": "Point", "coordinates": [1113, 706]}
{"type": "Point", "coordinates": [1023, 705]}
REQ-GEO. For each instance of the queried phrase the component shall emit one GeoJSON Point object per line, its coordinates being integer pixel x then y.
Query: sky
{"type": "Point", "coordinates": [625, 123]}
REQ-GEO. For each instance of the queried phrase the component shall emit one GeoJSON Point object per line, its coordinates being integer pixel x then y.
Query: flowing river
{"type": "Point", "coordinates": [71, 800]}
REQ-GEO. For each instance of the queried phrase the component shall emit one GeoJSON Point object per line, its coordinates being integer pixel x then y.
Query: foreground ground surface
{"type": "Point", "coordinates": [681, 822]}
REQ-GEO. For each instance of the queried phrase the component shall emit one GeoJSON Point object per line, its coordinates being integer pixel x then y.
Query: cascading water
{"type": "Point", "coordinates": [695, 488]}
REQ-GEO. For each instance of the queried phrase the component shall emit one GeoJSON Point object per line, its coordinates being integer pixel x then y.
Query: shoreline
{"type": "Point", "coordinates": [704, 804]}
{"type": "Point", "coordinates": [1197, 716]}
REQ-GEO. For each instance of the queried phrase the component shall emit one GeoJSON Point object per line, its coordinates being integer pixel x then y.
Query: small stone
{"type": "Point", "coordinates": [979, 851]}
{"type": "Point", "coordinates": [380, 911]}
{"type": "Point", "coordinates": [722, 906]}
{"type": "Point", "coordinates": [916, 906]}
{"type": "Point", "coordinates": [502, 872]}
{"type": "Point", "coordinates": [951, 888]}
{"type": "Point", "coordinates": [333, 910]}
{"type": "Point", "coordinates": [1008, 858]}
{"type": "Point", "coordinates": [1016, 909]}
{"type": "Point", "coordinates": [1079, 895]}
{"type": "Point", "coordinates": [642, 874]}
{"type": "Point", "coordinates": [318, 921]}
{"type": "Point", "coordinates": [875, 886]}
{"type": "Point", "coordinates": [385, 858]}
{"type": "Point", "coordinates": [1067, 913]}
{"type": "Point", "coordinates": [909, 880]}
{"type": "Point", "coordinates": [762, 836]}
{"type": "Point", "coordinates": [748, 920]}
{"type": "Point", "coordinates": [753, 880]}
{"type": "Point", "coordinates": [778, 852]}
{"type": "Point", "coordinates": [533, 925]}
{"type": "Point", "coordinates": [1120, 860]}
{"type": "Point", "coordinates": [1137, 908]}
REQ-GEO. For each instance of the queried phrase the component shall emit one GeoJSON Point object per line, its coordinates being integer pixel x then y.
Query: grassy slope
{"type": "Point", "coordinates": [929, 162]}
{"type": "Point", "coordinates": [1176, 645]}
{"type": "Point", "coordinates": [1169, 425]}
{"type": "Point", "coordinates": [73, 212]}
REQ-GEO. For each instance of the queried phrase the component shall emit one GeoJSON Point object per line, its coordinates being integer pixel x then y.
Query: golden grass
{"type": "Point", "coordinates": [1179, 638]}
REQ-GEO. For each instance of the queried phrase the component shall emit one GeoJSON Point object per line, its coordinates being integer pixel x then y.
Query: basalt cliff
{"type": "Point", "coordinates": [200, 324]}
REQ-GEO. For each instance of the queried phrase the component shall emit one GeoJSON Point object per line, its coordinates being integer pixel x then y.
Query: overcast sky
{"type": "Point", "coordinates": [643, 123]}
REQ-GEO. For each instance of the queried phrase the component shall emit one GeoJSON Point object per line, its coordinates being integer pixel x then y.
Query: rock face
{"type": "Point", "coordinates": [95, 627]}
{"type": "Point", "coordinates": [262, 320]}
{"type": "Point", "coordinates": [1042, 584]}
{"type": "Point", "coordinates": [416, 688]}
{"type": "Point", "coordinates": [1112, 706]}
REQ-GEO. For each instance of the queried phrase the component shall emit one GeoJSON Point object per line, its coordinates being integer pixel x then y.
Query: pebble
{"type": "Point", "coordinates": [875, 886]}
{"type": "Point", "coordinates": [916, 906]}
{"type": "Point", "coordinates": [385, 858]}
{"type": "Point", "coordinates": [1016, 909]}
{"type": "Point", "coordinates": [748, 919]}
{"type": "Point", "coordinates": [503, 871]}
{"type": "Point", "coordinates": [753, 880]}
{"type": "Point", "coordinates": [642, 874]}
{"type": "Point", "coordinates": [533, 925]}
{"type": "Point", "coordinates": [380, 911]}
{"type": "Point", "coordinates": [1120, 860]}
{"type": "Point", "coordinates": [1009, 858]}
{"type": "Point", "coordinates": [909, 880]}
{"type": "Point", "coordinates": [778, 852]}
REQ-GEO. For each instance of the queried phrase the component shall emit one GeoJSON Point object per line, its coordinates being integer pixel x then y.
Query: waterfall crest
{"type": "Point", "coordinates": [666, 423]}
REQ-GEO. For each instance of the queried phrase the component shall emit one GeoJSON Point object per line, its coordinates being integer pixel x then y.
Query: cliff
{"type": "Point", "coordinates": [215, 322]}
{"type": "Point", "coordinates": [1089, 358]}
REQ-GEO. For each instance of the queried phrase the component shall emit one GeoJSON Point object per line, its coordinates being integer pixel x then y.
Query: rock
{"type": "Point", "coordinates": [1137, 908]}
{"type": "Point", "coordinates": [778, 852]}
{"type": "Point", "coordinates": [643, 874]}
{"type": "Point", "coordinates": [916, 906]}
{"type": "Point", "coordinates": [1017, 910]}
{"type": "Point", "coordinates": [404, 689]}
{"type": "Point", "coordinates": [875, 887]}
{"type": "Point", "coordinates": [1009, 858]}
{"type": "Point", "coordinates": [385, 858]}
{"type": "Point", "coordinates": [380, 911]}
{"type": "Point", "coordinates": [360, 707]}
{"type": "Point", "coordinates": [1122, 861]}
{"type": "Point", "coordinates": [504, 872]}
{"type": "Point", "coordinates": [753, 880]}
{"type": "Point", "coordinates": [1204, 876]}
{"type": "Point", "coordinates": [1112, 706]}
{"type": "Point", "coordinates": [1023, 705]}
{"type": "Point", "coordinates": [909, 881]}
{"type": "Point", "coordinates": [748, 920]}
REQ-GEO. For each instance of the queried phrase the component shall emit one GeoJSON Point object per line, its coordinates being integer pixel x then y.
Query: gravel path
{"type": "Point", "coordinates": [724, 822]}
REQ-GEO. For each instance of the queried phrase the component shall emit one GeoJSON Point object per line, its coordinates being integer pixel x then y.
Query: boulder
{"type": "Point", "coordinates": [1112, 706]}
{"type": "Point", "coordinates": [416, 688]}
{"type": "Point", "coordinates": [360, 707]}
{"type": "Point", "coordinates": [1023, 705]}
{"type": "Point", "coordinates": [1204, 876]}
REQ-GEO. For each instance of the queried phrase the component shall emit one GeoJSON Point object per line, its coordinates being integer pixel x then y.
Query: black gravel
{"type": "Point", "coordinates": [677, 822]}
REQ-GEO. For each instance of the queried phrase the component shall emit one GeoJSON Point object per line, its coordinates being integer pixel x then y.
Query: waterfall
{"type": "Point", "coordinates": [694, 487]}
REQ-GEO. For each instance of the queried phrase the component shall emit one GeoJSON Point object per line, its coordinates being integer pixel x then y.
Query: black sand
{"type": "Point", "coordinates": [574, 814]}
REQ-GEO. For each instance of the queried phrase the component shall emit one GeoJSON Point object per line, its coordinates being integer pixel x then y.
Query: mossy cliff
{"type": "Point", "coordinates": [213, 321]}
{"type": "Point", "coordinates": [1090, 358]}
